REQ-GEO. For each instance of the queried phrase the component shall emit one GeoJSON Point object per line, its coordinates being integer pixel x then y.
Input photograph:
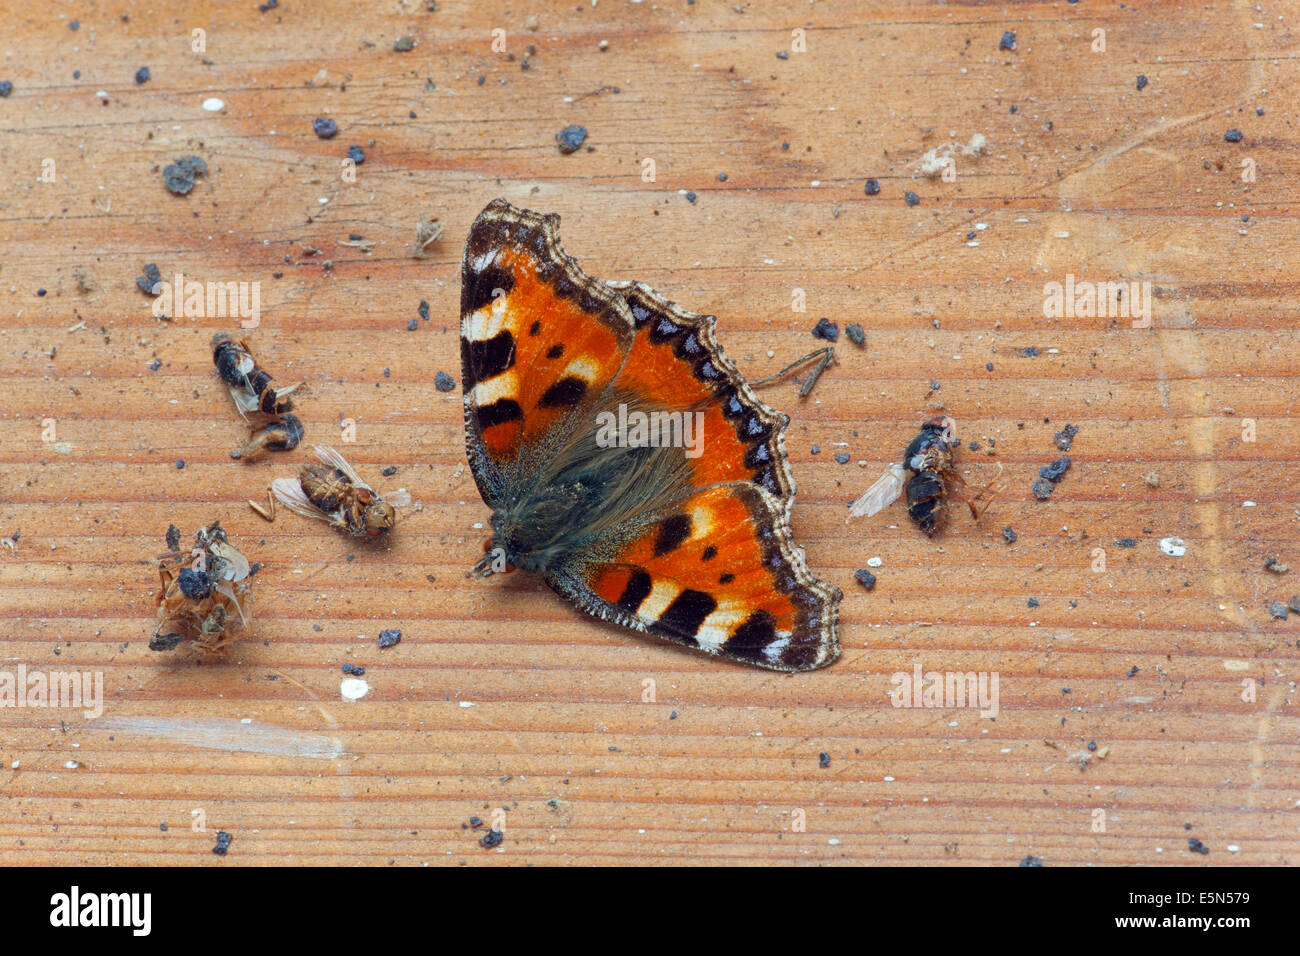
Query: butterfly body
{"type": "Point", "coordinates": [685, 538]}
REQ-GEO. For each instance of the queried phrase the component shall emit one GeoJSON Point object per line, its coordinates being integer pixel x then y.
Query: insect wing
{"type": "Point", "coordinates": [883, 492]}
{"type": "Point", "coordinates": [332, 458]}
{"type": "Point", "coordinates": [288, 491]}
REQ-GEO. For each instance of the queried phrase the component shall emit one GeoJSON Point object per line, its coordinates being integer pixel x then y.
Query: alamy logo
{"type": "Point", "coordinates": [79, 689]}
{"type": "Point", "coordinates": [208, 300]}
{"type": "Point", "coordinates": [637, 429]}
{"type": "Point", "coordinates": [946, 690]}
{"type": "Point", "coordinates": [102, 909]}
{"type": "Point", "coordinates": [1103, 300]}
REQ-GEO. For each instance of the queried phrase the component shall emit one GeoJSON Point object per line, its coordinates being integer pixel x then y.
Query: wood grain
{"type": "Point", "coordinates": [499, 695]}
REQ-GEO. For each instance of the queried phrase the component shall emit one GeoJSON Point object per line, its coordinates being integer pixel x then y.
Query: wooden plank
{"type": "Point", "coordinates": [499, 695]}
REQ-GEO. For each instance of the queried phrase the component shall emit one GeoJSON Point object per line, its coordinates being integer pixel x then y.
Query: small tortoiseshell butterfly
{"type": "Point", "coordinates": [693, 548]}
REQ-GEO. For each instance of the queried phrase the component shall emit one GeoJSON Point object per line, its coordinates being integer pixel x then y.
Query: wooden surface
{"type": "Point", "coordinates": [499, 695]}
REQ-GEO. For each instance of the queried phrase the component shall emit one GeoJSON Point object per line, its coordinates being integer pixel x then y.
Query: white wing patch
{"type": "Point", "coordinates": [883, 492]}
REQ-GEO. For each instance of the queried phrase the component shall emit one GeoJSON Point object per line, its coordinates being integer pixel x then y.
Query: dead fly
{"type": "Point", "coordinates": [929, 458]}
{"type": "Point", "coordinates": [334, 492]}
{"type": "Point", "coordinates": [206, 592]}
{"type": "Point", "coordinates": [253, 392]}
{"type": "Point", "coordinates": [249, 385]}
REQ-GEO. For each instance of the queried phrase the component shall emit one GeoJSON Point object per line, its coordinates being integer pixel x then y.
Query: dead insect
{"type": "Point", "coordinates": [929, 458]}
{"type": "Point", "coordinates": [206, 593]}
{"type": "Point", "coordinates": [283, 434]}
{"type": "Point", "coordinates": [249, 385]}
{"type": "Point", "coordinates": [334, 492]}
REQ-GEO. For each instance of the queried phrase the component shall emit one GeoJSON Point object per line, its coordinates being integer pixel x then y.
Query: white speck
{"type": "Point", "coordinates": [246, 720]}
{"type": "Point", "coordinates": [353, 688]}
{"type": "Point", "coordinates": [833, 842]}
{"type": "Point", "coordinates": [1233, 848]}
{"type": "Point", "coordinates": [102, 94]}
{"type": "Point", "coordinates": [478, 525]}
{"type": "Point", "coordinates": [1174, 547]}
{"type": "Point", "coordinates": [981, 226]}
{"type": "Point", "coordinates": [874, 562]}
{"type": "Point", "coordinates": [323, 200]}
{"type": "Point", "coordinates": [816, 182]}
{"type": "Point", "coordinates": [1160, 849]}
{"type": "Point", "coordinates": [467, 703]}
{"type": "Point", "coordinates": [72, 765]}
{"type": "Point", "coordinates": [212, 104]}
{"type": "Point", "coordinates": [1005, 750]}
{"type": "Point", "coordinates": [14, 765]}
{"type": "Point", "coordinates": [889, 780]}
{"type": "Point", "coordinates": [1062, 235]}
{"type": "Point", "coordinates": [1248, 504]}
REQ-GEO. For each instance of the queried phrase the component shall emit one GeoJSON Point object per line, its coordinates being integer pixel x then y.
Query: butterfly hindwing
{"type": "Point", "coordinates": [718, 571]}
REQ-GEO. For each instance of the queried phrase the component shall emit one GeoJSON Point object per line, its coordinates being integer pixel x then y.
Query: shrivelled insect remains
{"type": "Point", "coordinates": [333, 492]}
{"type": "Point", "coordinates": [206, 593]}
{"type": "Point", "coordinates": [253, 393]}
{"type": "Point", "coordinates": [929, 458]}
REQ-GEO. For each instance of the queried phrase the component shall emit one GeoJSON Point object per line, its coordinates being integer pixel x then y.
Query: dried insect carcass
{"type": "Point", "coordinates": [206, 593]}
{"type": "Point", "coordinates": [283, 434]}
{"type": "Point", "coordinates": [929, 458]}
{"type": "Point", "coordinates": [333, 491]}
{"type": "Point", "coordinates": [250, 386]}
{"type": "Point", "coordinates": [253, 393]}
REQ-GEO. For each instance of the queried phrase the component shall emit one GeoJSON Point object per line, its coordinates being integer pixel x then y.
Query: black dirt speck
{"type": "Point", "coordinates": [491, 839]}
{"type": "Point", "coordinates": [865, 578]}
{"type": "Point", "coordinates": [1008, 41]}
{"type": "Point", "coordinates": [1126, 542]}
{"type": "Point", "coordinates": [1042, 488]}
{"type": "Point", "coordinates": [1032, 861]}
{"type": "Point", "coordinates": [823, 759]}
{"type": "Point", "coordinates": [356, 154]}
{"type": "Point", "coordinates": [164, 642]}
{"type": "Point", "coordinates": [325, 128]}
{"type": "Point", "coordinates": [1065, 437]}
{"type": "Point", "coordinates": [1278, 610]}
{"type": "Point", "coordinates": [1232, 136]}
{"type": "Point", "coordinates": [571, 138]}
{"type": "Point", "coordinates": [354, 670]}
{"type": "Point", "coordinates": [389, 639]}
{"type": "Point", "coordinates": [1142, 81]}
{"type": "Point", "coordinates": [223, 843]}
{"type": "Point", "coordinates": [389, 471]}
{"type": "Point", "coordinates": [826, 329]}
{"type": "Point", "coordinates": [6, 87]}
{"type": "Point", "coordinates": [173, 538]}
{"type": "Point", "coordinates": [872, 187]}
{"type": "Point", "coordinates": [911, 198]}
{"type": "Point", "coordinates": [178, 177]}
{"type": "Point", "coordinates": [855, 334]}
{"type": "Point", "coordinates": [1030, 352]}
{"type": "Point", "coordinates": [1009, 535]}
{"type": "Point", "coordinates": [1032, 602]}
{"type": "Point", "coordinates": [142, 75]}
{"type": "Point", "coordinates": [1056, 470]}
{"type": "Point", "coordinates": [842, 457]}
{"type": "Point", "coordinates": [1196, 846]}
{"type": "Point", "coordinates": [443, 382]}
{"type": "Point", "coordinates": [412, 325]}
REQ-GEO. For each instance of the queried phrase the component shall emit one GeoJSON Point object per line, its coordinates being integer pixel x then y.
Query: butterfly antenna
{"type": "Point", "coordinates": [821, 356]}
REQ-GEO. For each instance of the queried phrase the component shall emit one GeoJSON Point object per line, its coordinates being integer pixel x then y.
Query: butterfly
{"type": "Point", "coordinates": [686, 539]}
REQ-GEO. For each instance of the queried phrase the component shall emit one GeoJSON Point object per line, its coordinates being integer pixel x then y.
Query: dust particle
{"type": "Point", "coordinates": [872, 187]}
{"type": "Point", "coordinates": [1009, 535]}
{"type": "Point", "coordinates": [855, 334]}
{"type": "Point", "coordinates": [325, 128]}
{"type": "Point", "coordinates": [443, 382]}
{"type": "Point", "coordinates": [491, 839]}
{"type": "Point", "coordinates": [1042, 489]}
{"type": "Point", "coordinates": [865, 578]}
{"type": "Point", "coordinates": [389, 639]}
{"type": "Point", "coordinates": [223, 843]}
